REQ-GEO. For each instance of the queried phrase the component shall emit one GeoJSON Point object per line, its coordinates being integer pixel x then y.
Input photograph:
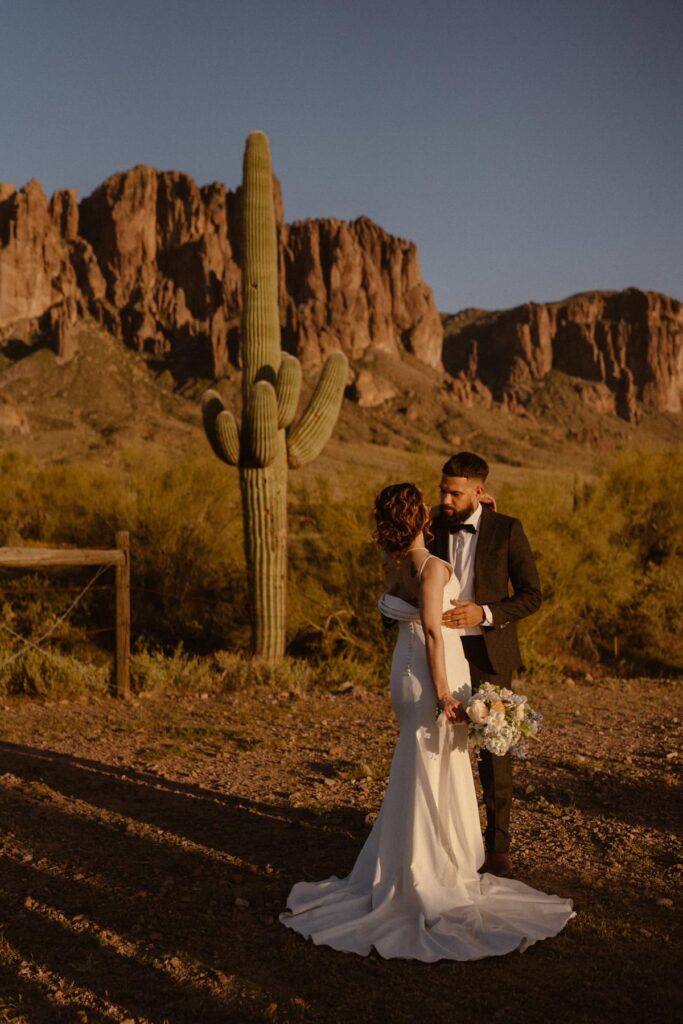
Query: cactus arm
{"type": "Point", "coordinates": [228, 435]}
{"type": "Point", "coordinates": [221, 428]}
{"type": "Point", "coordinates": [287, 389]}
{"type": "Point", "coordinates": [312, 432]}
{"type": "Point", "coordinates": [263, 423]}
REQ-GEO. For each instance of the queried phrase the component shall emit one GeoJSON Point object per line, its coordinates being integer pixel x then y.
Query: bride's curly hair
{"type": "Point", "coordinates": [400, 513]}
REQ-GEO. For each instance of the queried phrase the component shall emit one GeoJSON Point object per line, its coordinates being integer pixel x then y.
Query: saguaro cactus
{"type": "Point", "coordinates": [266, 443]}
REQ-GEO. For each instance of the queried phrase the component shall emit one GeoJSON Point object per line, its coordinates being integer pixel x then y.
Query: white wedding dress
{"type": "Point", "coordinates": [414, 891]}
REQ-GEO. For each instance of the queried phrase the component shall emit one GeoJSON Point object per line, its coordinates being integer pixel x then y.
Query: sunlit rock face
{"type": "Point", "coordinates": [627, 345]}
{"type": "Point", "coordinates": [155, 259]}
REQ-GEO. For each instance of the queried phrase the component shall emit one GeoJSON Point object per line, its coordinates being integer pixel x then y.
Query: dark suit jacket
{"type": "Point", "coordinates": [503, 556]}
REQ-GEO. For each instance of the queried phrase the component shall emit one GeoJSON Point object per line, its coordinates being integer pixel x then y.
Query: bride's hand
{"type": "Point", "coordinates": [452, 709]}
{"type": "Point", "coordinates": [488, 499]}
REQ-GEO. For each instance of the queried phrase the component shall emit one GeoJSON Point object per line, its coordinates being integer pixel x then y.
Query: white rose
{"type": "Point", "coordinates": [477, 711]}
{"type": "Point", "coordinates": [496, 720]}
{"type": "Point", "coordinates": [519, 712]}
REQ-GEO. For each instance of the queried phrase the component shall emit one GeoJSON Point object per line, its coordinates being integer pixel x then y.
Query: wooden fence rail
{"type": "Point", "coordinates": [119, 556]}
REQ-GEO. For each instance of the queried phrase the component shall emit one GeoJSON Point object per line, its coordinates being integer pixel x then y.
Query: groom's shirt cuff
{"type": "Point", "coordinates": [488, 617]}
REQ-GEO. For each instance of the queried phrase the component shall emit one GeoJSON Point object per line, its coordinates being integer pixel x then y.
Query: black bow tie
{"type": "Point", "coordinates": [455, 527]}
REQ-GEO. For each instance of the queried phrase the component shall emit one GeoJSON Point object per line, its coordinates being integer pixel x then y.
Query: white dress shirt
{"type": "Point", "coordinates": [462, 547]}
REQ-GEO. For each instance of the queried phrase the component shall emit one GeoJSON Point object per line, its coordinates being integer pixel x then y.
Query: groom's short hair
{"type": "Point", "coordinates": [466, 464]}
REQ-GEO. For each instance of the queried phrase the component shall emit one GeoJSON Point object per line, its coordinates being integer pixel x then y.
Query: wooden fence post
{"type": "Point", "coordinates": [122, 540]}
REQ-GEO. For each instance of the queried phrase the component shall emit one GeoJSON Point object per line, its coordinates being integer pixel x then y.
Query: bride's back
{"type": "Point", "coordinates": [402, 573]}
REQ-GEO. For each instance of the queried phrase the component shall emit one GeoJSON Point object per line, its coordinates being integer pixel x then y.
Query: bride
{"type": "Point", "coordinates": [415, 891]}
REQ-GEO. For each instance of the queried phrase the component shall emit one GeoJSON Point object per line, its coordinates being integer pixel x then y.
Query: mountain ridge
{"type": "Point", "coordinates": [154, 259]}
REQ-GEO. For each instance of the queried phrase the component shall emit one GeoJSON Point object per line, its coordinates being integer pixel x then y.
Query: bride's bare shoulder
{"type": "Point", "coordinates": [436, 569]}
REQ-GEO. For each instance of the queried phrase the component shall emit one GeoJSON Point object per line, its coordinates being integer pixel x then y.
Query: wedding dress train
{"type": "Point", "coordinates": [414, 891]}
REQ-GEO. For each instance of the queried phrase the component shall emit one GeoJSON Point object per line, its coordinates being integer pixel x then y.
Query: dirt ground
{"type": "Point", "coordinates": [146, 849]}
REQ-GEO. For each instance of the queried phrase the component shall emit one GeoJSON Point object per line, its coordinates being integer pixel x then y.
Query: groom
{"type": "Point", "coordinates": [488, 551]}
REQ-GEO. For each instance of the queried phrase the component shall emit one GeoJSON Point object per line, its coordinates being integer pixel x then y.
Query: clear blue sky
{"type": "Point", "coordinates": [532, 148]}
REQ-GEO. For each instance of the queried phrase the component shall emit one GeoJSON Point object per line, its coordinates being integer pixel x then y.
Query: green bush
{"type": "Point", "coordinates": [51, 675]}
{"type": "Point", "coordinates": [184, 519]}
{"type": "Point", "coordinates": [610, 554]}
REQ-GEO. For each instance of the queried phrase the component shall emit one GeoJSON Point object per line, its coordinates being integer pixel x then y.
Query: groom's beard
{"type": "Point", "coordinates": [452, 516]}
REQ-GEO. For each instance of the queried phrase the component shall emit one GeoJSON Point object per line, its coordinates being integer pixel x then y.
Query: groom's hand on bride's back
{"type": "Point", "coordinates": [463, 615]}
{"type": "Point", "coordinates": [489, 501]}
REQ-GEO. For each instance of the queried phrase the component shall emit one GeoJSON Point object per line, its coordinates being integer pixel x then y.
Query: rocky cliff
{"type": "Point", "coordinates": [155, 259]}
{"type": "Point", "coordinates": [625, 348]}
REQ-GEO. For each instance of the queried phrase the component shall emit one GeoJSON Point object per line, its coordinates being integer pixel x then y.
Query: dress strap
{"type": "Point", "coordinates": [422, 565]}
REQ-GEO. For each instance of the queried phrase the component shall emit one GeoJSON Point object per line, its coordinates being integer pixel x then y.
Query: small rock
{"type": "Point", "coordinates": [203, 696]}
{"type": "Point", "coordinates": [241, 903]}
{"type": "Point", "coordinates": [330, 782]}
{"type": "Point", "coordinates": [588, 677]}
{"type": "Point", "coordinates": [346, 687]}
{"type": "Point", "coordinates": [568, 681]}
{"type": "Point", "coordinates": [665, 902]}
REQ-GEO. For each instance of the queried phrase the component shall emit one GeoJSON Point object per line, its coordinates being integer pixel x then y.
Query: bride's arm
{"type": "Point", "coordinates": [434, 579]}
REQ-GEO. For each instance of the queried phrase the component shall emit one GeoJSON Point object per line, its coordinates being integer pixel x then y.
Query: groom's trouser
{"type": "Point", "coordinates": [495, 772]}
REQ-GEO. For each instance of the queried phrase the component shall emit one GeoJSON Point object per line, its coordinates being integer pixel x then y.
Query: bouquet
{"type": "Point", "coordinates": [500, 720]}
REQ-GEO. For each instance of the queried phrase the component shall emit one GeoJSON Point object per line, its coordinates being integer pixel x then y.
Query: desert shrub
{"type": "Point", "coordinates": [184, 518]}
{"type": "Point", "coordinates": [610, 555]}
{"type": "Point", "coordinates": [335, 578]}
{"type": "Point", "coordinates": [155, 671]}
{"type": "Point", "coordinates": [36, 674]}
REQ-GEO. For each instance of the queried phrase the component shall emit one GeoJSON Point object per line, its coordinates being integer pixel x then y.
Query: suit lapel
{"type": "Point", "coordinates": [486, 537]}
{"type": "Point", "coordinates": [440, 543]}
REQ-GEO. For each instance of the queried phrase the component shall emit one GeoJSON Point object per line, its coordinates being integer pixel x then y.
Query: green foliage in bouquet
{"type": "Point", "coordinates": [267, 441]}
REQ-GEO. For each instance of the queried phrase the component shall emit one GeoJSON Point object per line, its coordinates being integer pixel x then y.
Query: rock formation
{"type": "Point", "coordinates": [354, 287]}
{"type": "Point", "coordinates": [38, 287]}
{"type": "Point", "coordinates": [155, 259]}
{"type": "Point", "coordinates": [626, 346]}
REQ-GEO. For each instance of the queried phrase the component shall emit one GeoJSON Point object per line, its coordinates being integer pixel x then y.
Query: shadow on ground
{"type": "Point", "coordinates": [118, 891]}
